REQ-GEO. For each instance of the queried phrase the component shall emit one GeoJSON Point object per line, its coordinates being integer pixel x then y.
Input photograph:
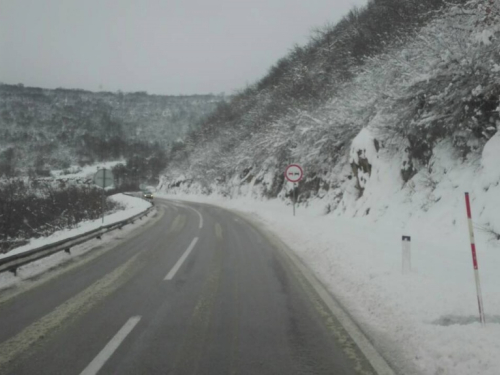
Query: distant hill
{"type": "Point", "coordinates": [43, 129]}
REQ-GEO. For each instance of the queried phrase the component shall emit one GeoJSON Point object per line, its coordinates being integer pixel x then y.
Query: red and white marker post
{"type": "Point", "coordinates": [474, 261]}
{"type": "Point", "coordinates": [294, 173]}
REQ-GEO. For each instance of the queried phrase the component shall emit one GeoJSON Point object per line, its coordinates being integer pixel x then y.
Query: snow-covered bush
{"type": "Point", "coordinates": [446, 83]}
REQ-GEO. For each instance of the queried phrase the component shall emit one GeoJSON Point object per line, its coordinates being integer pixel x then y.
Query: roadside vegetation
{"type": "Point", "coordinates": [36, 209]}
{"type": "Point", "coordinates": [43, 129]}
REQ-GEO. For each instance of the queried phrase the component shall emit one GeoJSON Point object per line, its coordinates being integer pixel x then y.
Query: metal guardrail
{"type": "Point", "coordinates": [12, 263]}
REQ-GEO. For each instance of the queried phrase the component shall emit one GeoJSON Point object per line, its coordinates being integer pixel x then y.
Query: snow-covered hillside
{"type": "Point", "coordinates": [44, 129]}
{"type": "Point", "coordinates": [425, 321]}
{"type": "Point", "coordinates": [412, 120]}
{"type": "Point", "coordinates": [391, 152]}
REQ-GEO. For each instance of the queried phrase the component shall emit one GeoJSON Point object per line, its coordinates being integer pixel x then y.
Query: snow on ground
{"type": "Point", "coordinates": [133, 206]}
{"type": "Point", "coordinates": [87, 171]}
{"type": "Point", "coordinates": [424, 322]}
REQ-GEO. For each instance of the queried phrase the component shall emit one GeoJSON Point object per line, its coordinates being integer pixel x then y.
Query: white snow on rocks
{"type": "Point", "coordinates": [424, 322]}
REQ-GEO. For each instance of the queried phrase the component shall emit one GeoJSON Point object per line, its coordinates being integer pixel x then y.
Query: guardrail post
{"type": "Point", "coordinates": [13, 270]}
{"type": "Point", "coordinates": [68, 250]}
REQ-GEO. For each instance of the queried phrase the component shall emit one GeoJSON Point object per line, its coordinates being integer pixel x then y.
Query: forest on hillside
{"type": "Point", "coordinates": [44, 129]}
{"type": "Point", "coordinates": [414, 72]}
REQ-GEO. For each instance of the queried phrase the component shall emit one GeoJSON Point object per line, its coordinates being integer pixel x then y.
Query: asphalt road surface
{"type": "Point", "coordinates": [196, 290]}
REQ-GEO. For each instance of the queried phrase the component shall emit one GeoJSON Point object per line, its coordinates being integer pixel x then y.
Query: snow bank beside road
{"type": "Point", "coordinates": [425, 322]}
{"type": "Point", "coordinates": [133, 206]}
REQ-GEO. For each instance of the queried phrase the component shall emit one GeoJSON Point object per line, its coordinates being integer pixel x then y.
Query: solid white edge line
{"type": "Point", "coordinates": [201, 218]}
{"type": "Point", "coordinates": [181, 260]}
{"type": "Point", "coordinates": [199, 214]}
{"type": "Point", "coordinates": [99, 361]}
{"type": "Point", "coordinates": [377, 361]}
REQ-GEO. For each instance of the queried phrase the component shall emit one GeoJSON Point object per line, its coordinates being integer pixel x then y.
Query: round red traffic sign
{"type": "Point", "coordinates": [294, 173]}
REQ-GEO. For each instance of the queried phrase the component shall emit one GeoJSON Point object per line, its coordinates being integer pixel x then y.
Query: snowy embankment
{"type": "Point", "coordinates": [390, 155]}
{"type": "Point", "coordinates": [88, 171]}
{"type": "Point", "coordinates": [133, 206]}
{"type": "Point", "coordinates": [425, 321]}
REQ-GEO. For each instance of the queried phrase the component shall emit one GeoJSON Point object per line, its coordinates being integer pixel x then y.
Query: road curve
{"type": "Point", "coordinates": [196, 290]}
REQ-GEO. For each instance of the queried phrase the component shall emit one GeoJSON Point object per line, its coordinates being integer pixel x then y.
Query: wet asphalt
{"type": "Point", "coordinates": [195, 290]}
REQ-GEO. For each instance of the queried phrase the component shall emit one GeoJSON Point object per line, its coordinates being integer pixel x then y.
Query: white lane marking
{"type": "Point", "coordinates": [110, 348]}
{"type": "Point", "coordinates": [195, 210]}
{"type": "Point", "coordinates": [181, 260]}
{"type": "Point", "coordinates": [377, 361]}
{"type": "Point", "coordinates": [181, 204]}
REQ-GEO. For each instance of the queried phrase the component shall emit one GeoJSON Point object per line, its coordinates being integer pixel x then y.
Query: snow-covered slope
{"type": "Point", "coordinates": [425, 321]}
{"type": "Point", "coordinates": [44, 129]}
{"type": "Point", "coordinates": [391, 153]}
{"type": "Point", "coordinates": [412, 118]}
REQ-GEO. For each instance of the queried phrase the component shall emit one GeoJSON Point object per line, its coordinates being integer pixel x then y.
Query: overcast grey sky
{"type": "Point", "coordinates": [163, 47]}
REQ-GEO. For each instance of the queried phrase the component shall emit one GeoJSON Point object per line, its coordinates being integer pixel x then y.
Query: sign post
{"type": "Point", "coordinates": [294, 173]}
{"type": "Point", "coordinates": [474, 260]}
{"type": "Point", "coordinates": [103, 178]}
{"type": "Point", "coordinates": [294, 198]}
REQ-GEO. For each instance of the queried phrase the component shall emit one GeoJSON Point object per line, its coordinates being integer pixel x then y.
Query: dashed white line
{"type": "Point", "coordinates": [111, 347]}
{"type": "Point", "coordinates": [198, 212]}
{"type": "Point", "coordinates": [181, 260]}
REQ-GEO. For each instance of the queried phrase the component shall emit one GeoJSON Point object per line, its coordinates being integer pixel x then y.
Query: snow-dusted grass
{"type": "Point", "coordinates": [133, 206]}
{"type": "Point", "coordinates": [424, 322]}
